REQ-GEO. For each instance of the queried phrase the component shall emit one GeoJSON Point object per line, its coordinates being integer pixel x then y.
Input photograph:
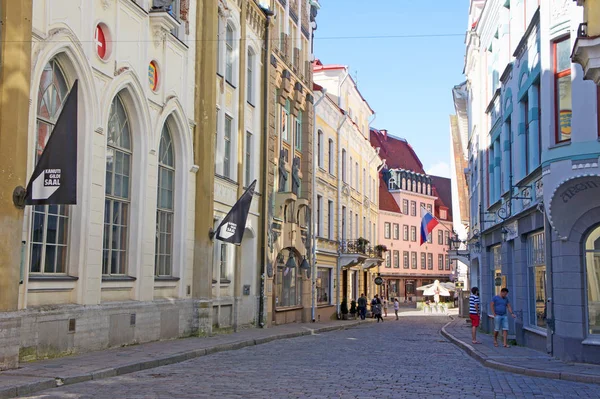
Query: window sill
{"type": "Point", "coordinates": [223, 282]}
{"type": "Point", "coordinates": [166, 278]}
{"type": "Point", "coordinates": [560, 144]}
{"type": "Point", "coordinates": [45, 277]}
{"type": "Point", "coordinates": [325, 305]}
{"type": "Point", "coordinates": [230, 84]}
{"type": "Point", "coordinates": [250, 104]}
{"type": "Point", "coordinates": [108, 278]}
{"type": "Point", "coordinates": [288, 308]}
{"type": "Point", "coordinates": [536, 330]}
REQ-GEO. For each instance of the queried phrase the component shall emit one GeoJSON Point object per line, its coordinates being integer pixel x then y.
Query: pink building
{"type": "Point", "coordinates": [405, 188]}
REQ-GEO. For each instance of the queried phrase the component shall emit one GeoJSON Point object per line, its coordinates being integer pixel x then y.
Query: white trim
{"type": "Point", "coordinates": [536, 330]}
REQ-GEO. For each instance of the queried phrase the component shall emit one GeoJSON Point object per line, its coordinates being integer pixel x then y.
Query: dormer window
{"type": "Point", "coordinates": [443, 214]}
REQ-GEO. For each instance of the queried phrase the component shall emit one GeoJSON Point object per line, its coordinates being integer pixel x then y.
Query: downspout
{"type": "Point", "coordinates": [314, 185]}
{"type": "Point", "coordinates": [339, 198]}
{"type": "Point", "coordinates": [550, 299]}
{"type": "Point", "coordinates": [264, 189]}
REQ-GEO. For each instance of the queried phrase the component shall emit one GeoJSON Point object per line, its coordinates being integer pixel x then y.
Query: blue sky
{"type": "Point", "coordinates": [407, 81]}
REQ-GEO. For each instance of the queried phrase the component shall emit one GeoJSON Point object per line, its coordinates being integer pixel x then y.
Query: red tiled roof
{"type": "Point", "coordinates": [386, 199]}
{"type": "Point", "coordinates": [318, 66]}
{"type": "Point", "coordinates": [397, 152]}
{"type": "Point", "coordinates": [442, 188]}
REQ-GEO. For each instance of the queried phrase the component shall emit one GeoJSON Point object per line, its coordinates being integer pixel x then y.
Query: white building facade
{"type": "Point", "coordinates": [533, 160]}
{"type": "Point", "coordinates": [115, 268]}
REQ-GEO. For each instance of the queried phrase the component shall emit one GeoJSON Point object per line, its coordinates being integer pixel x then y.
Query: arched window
{"type": "Point", "coordinates": [117, 195]}
{"type": "Point", "coordinates": [331, 158]}
{"type": "Point", "coordinates": [50, 223]}
{"type": "Point", "coordinates": [229, 54]}
{"type": "Point", "coordinates": [163, 265]}
{"type": "Point", "coordinates": [344, 165]}
{"type": "Point", "coordinates": [250, 77]}
{"type": "Point", "coordinates": [592, 276]}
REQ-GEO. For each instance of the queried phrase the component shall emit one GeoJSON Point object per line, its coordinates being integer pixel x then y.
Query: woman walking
{"type": "Point", "coordinates": [396, 307]}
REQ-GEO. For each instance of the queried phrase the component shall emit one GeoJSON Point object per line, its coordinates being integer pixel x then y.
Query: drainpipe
{"type": "Point", "coordinates": [550, 299]}
{"type": "Point", "coordinates": [314, 186]}
{"type": "Point", "coordinates": [339, 198]}
{"type": "Point", "coordinates": [265, 142]}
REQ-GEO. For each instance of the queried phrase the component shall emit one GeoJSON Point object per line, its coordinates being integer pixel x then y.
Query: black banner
{"type": "Point", "coordinates": [54, 179]}
{"type": "Point", "coordinates": [232, 227]}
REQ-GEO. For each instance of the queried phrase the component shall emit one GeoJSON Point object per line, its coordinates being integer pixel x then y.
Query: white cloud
{"type": "Point", "coordinates": [439, 169]}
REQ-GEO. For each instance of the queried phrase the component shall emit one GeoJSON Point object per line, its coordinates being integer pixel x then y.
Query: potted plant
{"type": "Point", "coordinates": [361, 244]}
{"type": "Point", "coordinates": [344, 309]}
{"type": "Point", "coordinates": [353, 309]}
{"type": "Point", "coordinates": [380, 249]}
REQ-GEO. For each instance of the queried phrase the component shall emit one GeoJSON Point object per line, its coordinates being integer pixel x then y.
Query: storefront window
{"type": "Point", "coordinates": [537, 280]}
{"type": "Point", "coordinates": [323, 286]}
{"type": "Point", "coordinates": [498, 280]}
{"type": "Point", "coordinates": [288, 286]}
{"type": "Point", "coordinates": [592, 266]}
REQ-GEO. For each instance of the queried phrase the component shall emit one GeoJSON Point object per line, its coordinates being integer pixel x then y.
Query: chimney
{"type": "Point", "coordinates": [384, 132]}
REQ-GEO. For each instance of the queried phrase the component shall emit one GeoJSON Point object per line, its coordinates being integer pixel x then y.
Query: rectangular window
{"type": "Point", "coordinates": [397, 259]}
{"type": "Point", "coordinates": [356, 220]}
{"type": "Point", "coordinates": [344, 166]}
{"type": "Point", "coordinates": [350, 176]}
{"type": "Point", "coordinates": [446, 238]}
{"type": "Point", "coordinates": [386, 230]}
{"type": "Point", "coordinates": [562, 89]}
{"type": "Point", "coordinates": [499, 280]}
{"type": "Point", "coordinates": [440, 237]}
{"type": "Point", "coordinates": [430, 238]}
{"type": "Point", "coordinates": [320, 149]}
{"type": "Point", "coordinates": [422, 204]}
{"type": "Point", "coordinates": [443, 214]}
{"type": "Point", "coordinates": [356, 176]}
{"type": "Point", "coordinates": [413, 233]}
{"type": "Point", "coordinates": [331, 157]}
{"type": "Point", "coordinates": [288, 287]}
{"type": "Point", "coordinates": [447, 262]}
{"type": "Point", "coordinates": [423, 261]}
{"type": "Point", "coordinates": [405, 232]}
{"type": "Point", "coordinates": [298, 132]}
{"type": "Point", "coordinates": [388, 260]}
{"type": "Point", "coordinates": [413, 260]}
{"type": "Point", "coordinates": [525, 108]}
{"type": "Point", "coordinates": [396, 231]}
{"type": "Point", "coordinates": [405, 264]}
{"type": "Point", "coordinates": [405, 207]}
{"type": "Point", "coordinates": [249, 143]}
{"type": "Point", "coordinates": [227, 150]}
{"type": "Point", "coordinates": [440, 262]}
{"type": "Point", "coordinates": [319, 216]}
{"type": "Point", "coordinates": [429, 208]}
{"type": "Point", "coordinates": [223, 262]}
{"type": "Point", "coordinates": [537, 279]}
{"type": "Point", "coordinates": [413, 208]}
{"type": "Point", "coordinates": [250, 78]}
{"type": "Point", "coordinates": [350, 231]}
{"type": "Point", "coordinates": [330, 222]}
{"type": "Point", "coordinates": [343, 223]}
{"type": "Point", "coordinates": [429, 261]}
{"type": "Point", "coordinates": [284, 119]}
{"type": "Point", "coordinates": [323, 286]}
{"type": "Point", "coordinates": [229, 54]}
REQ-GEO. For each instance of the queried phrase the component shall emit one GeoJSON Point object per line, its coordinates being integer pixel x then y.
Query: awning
{"type": "Point", "coordinates": [572, 199]}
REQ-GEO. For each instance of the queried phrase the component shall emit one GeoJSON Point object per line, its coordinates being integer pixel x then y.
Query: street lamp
{"type": "Point", "coordinates": [305, 266]}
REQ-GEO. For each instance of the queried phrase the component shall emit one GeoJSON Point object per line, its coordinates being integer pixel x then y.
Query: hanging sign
{"type": "Point", "coordinates": [378, 280]}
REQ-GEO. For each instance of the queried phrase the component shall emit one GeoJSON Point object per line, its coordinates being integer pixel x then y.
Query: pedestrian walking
{"type": "Point", "coordinates": [500, 305]}
{"type": "Point", "coordinates": [376, 308]}
{"type": "Point", "coordinates": [385, 306]}
{"type": "Point", "coordinates": [396, 307]}
{"type": "Point", "coordinates": [474, 313]}
{"type": "Point", "coordinates": [362, 306]}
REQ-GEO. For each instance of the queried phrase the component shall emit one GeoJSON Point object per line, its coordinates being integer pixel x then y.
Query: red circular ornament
{"type": "Point", "coordinates": [100, 42]}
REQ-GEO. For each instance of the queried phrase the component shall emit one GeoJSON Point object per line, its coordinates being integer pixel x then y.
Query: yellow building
{"type": "Point", "coordinates": [346, 200]}
{"type": "Point", "coordinates": [586, 50]}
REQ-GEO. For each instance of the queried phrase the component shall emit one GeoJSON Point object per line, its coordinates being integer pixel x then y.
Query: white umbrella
{"type": "Point", "coordinates": [436, 289]}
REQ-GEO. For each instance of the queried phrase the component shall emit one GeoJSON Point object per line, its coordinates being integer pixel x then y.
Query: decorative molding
{"type": "Point", "coordinates": [106, 4]}
{"type": "Point", "coordinates": [560, 8]}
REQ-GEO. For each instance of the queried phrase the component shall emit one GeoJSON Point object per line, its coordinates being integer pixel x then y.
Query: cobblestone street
{"type": "Point", "coordinates": [396, 359]}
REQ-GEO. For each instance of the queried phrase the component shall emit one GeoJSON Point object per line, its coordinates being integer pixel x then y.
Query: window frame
{"type": "Point", "coordinates": [248, 155]}
{"type": "Point", "coordinates": [331, 159]}
{"type": "Point", "coordinates": [556, 76]}
{"type": "Point", "coordinates": [229, 53]}
{"type": "Point", "coordinates": [387, 227]}
{"type": "Point", "coordinates": [162, 212]}
{"type": "Point", "coordinates": [320, 148]}
{"type": "Point", "coordinates": [227, 144]}
{"type": "Point", "coordinates": [250, 61]}
{"type": "Point", "coordinates": [406, 260]}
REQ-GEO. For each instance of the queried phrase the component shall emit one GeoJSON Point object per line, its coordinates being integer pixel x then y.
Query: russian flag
{"type": "Point", "coordinates": [428, 223]}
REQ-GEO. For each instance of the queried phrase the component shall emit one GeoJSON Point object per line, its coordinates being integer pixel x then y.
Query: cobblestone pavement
{"type": "Point", "coordinates": [394, 359]}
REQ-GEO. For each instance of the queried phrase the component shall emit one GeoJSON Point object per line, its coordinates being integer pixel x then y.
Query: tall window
{"type": "Point", "coordinates": [413, 208]}
{"type": "Point", "coordinates": [116, 203]}
{"type": "Point", "coordinates": [406, 260]}
{"type": "Point", "coordinates": [440, 262]}
{"type": "Point", "coordinates": [429, 261]}
{"type": "Point", "coordinates": [397, 259]}
{"type": "Point", "coordinates": [405, 232]}
{"type": "Point", "coordinates": [319, 216]}
{"type": "Point", "coordinates": [356, 176]}
{"type": "Point", "coordinates": [298, 132]}
{"type": "Point", "coordinates": [223, 262]}
{"type": "Point", "coordinates": [288, 286]}
{"type": "Point", "coordinates": [229, 54]}
{"type": "Point", "coordinates": [323, 286]}
{"type": "Point", "coordinates": [330, 156]}
{"type": "Point", "coordinates": [163, 263]}
{"type": "Point", "coordinates": [330, 215]}
{"type": "Point", "coordinates": [250, 77]}
{"type": "Point", "coordinates": [446, 237]}
{"type": "Point", "coordinates": [356, 220]}
{"type": "Point", "coordinates": [249, 144]}
{"type": "Point", "coordinates": [447, 263]}
{"type": "Point", "coordinates": [592, 277]}
{"type": "Point", "coordinates": [537, 279]}
{"type": "Point", "coordinates": [343, 223]}
{"type": "Point", "coordinates": [227, 150]}
{"type": "Point", "coordinates": [344, 166]}
{"type": "Point", "coordinates": [320, 148]}
{"type": "Point", "coordinates": [413, 233]}
{"type": "Point", "coordinates": [413, 260]}
{"type": "Point", "coordinates": [423, 261]}
{"type": "Point", "coordinates": [50, 223]}
{"type": "Point", "coordinates": [386, 230]}
{"type": "Point", "coordinates": [562, 88]}
{"type": "Point", "coordinates": [351, 179]}
{"type": "Point", "coordinates": [284, 118]}
{"type": "Point", "coordinates": [499, 279]}
{"type": "Point", "coordinates": [388, 260]}
{"type": "Point", "coordinates": [396, 231]}
{"type": "Point", "coordinates": [440, 237]}
{"type": "Point", "coordinates": [405, 207]}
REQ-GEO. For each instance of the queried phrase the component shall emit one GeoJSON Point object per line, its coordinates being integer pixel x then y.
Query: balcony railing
{"type": "Point", "coordinates": [360, 247]}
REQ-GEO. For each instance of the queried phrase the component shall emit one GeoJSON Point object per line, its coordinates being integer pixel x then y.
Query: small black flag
{"type": "Point", "coordinates": [232, 227]}
{"type": "Point", "coordinates": [54, 179]}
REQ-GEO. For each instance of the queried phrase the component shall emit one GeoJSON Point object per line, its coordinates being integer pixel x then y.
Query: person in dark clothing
{"type": "Point", "coordinates": [362, 306]}
{"type": "Point", "coordinates": [376, 306]}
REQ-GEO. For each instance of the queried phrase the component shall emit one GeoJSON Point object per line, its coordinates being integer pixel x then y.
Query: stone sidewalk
{"type": "Point", "coordinates": [37, 376]}
{"type": "Point", "coordinates": [517, 359]}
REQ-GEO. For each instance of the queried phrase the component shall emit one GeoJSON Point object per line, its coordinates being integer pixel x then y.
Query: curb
{"type": "Point", "coordinates": [555, 375]}
{"type": "Point", "coordinates": [45, 384]}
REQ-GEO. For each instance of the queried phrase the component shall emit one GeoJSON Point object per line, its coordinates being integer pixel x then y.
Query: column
{"type": "Point", "coordinates": [506, 154]}
{"type": "Point", "coordinates": [534, 127]}
{"type": "Point", "coordinates": [15, 78]}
